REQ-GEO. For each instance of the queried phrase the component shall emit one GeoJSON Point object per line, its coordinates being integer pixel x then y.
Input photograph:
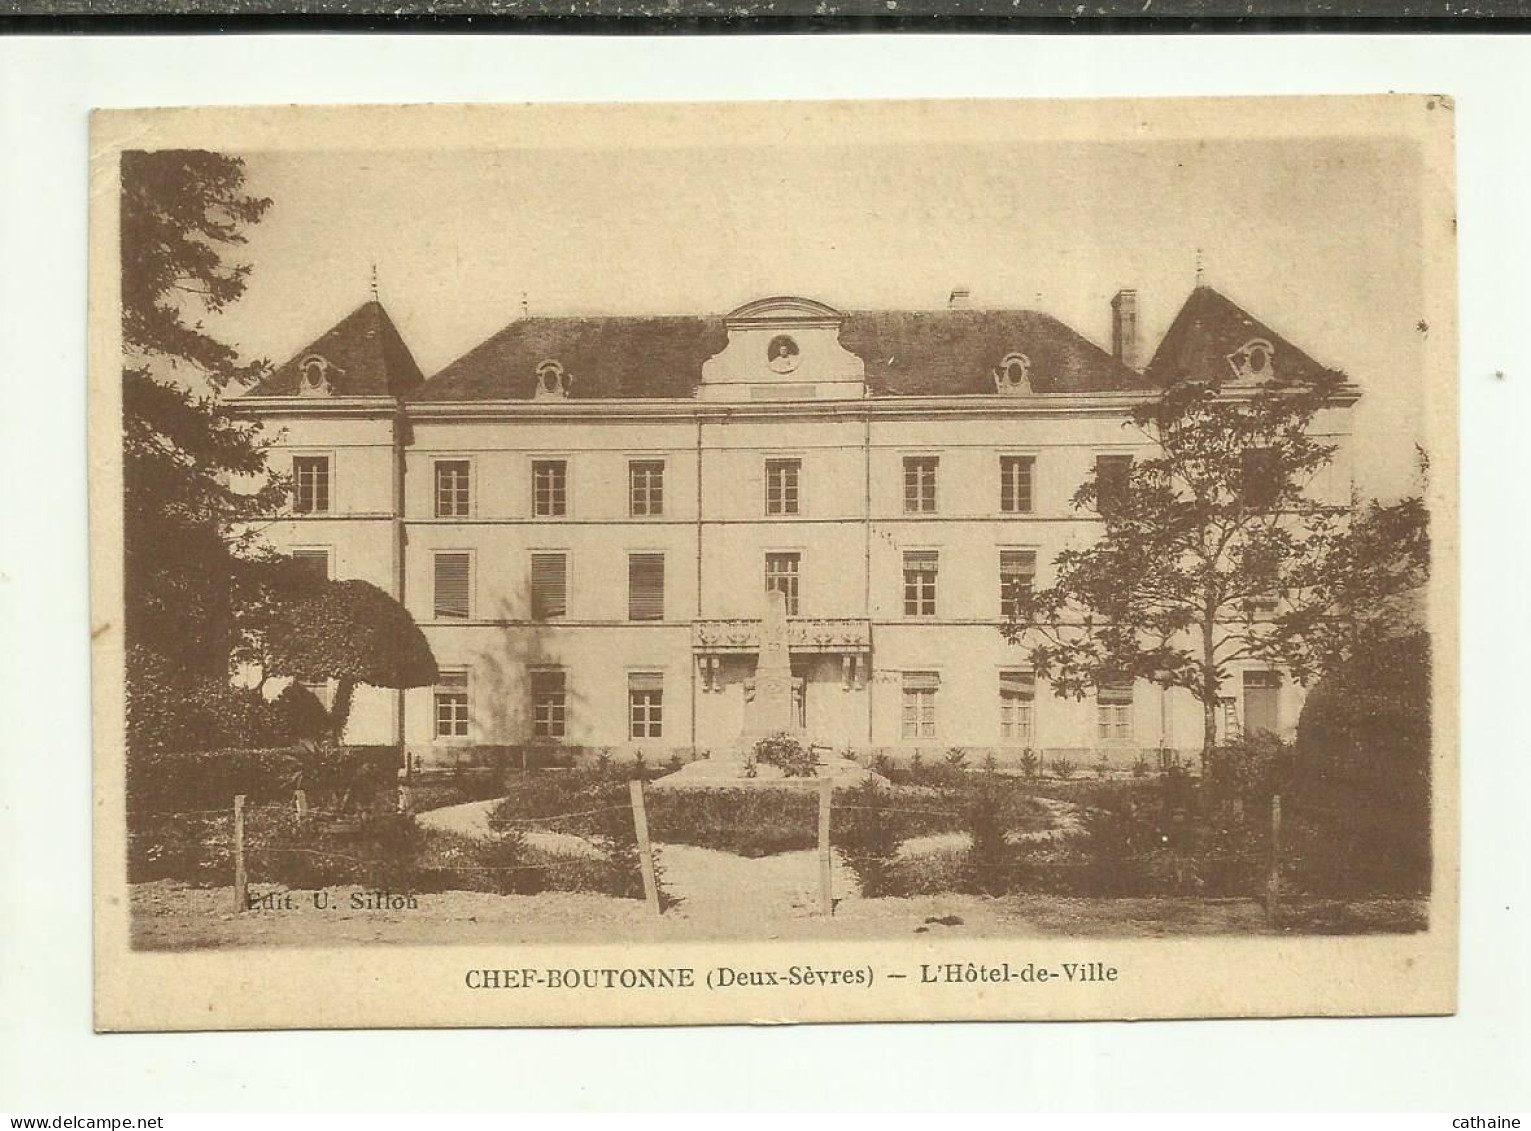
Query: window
{"type": "Point", "coordinates": [1015, 484]}
{"type": "Point", "coordinates": [645, 487]}
{"type": "Point", "coordinates": [781, 485]}
{"type": "Point", "coordinates": [320, 691]}
{"type": "Point", "coordinates": [549, 703]}
{"type": "Point", "coordinates": [311, 484]}
{"type": "Point", "coordinates": [1017, 693]}
{"type": "Point", "coordinates": [1017, 575]}
{"type": "Point", "coordinates": [645, 704]}
{"type": "Point", "coordinates": [1261, 474]}
{"type": "Point", "coordinates": [550, 488]}
{"type": "Point", "coordinates": [454, 572]}
{"type": "Point", "coordinates": [550, 586]}
{"type": "Point", "coordinates": [645, 587]}
{"type": "Point", "coordinates": [451, 488]}
{"type": "Point", "coordinates": [919, 718]}
{"type": "Point", "coordinates": [1262, 702]}
{"type": "Point", "coordinates": [920, 484]}
{"type": "Point", "coordinates": [1113, 710]}
{"type": "Point", "coordinates": [1111, 476]}
{"type": "Point", "coordinates": [452, 704]}
{"type": "Point", "coordinates": [313, 563]}
{"type": "Point", "coordinates": [920, 582]}
{"type": "Point", "coordinates": [781, 573]}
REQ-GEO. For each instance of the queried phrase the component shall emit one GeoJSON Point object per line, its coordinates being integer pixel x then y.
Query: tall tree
{"type": "Point", "coordinates": [184, 453]}
{"type": "Point", "coordinates": [1214, 551]}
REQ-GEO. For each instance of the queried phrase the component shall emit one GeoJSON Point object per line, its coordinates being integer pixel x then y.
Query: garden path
{"type": "Point", "coordinates": [710, 884]}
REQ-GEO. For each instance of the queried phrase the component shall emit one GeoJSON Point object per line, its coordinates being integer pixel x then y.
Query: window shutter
{"type": "Point", "coordinates": [549, 586]}
{"type": "Point", "coordinates": [925, 561]}
{"type": "Point", "coordinates": [316, 563]}
{"type": "Point", "coordinates": [1021, 685]}
{"type": "Point", "coordinates": [645, 681]}
{"type": "Point", "coordinates": [645, 587]}
{"type": "Point", "coordinates": [452, 577]}
{"type": "Point", "coordinates": [1114, 691]}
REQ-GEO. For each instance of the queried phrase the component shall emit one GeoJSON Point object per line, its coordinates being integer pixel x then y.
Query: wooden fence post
{"type": "Point", "coordinates": [645, 849]}
{"type": "Point", "coordinates": [1273, 881]}
{"type": "Point", "coordinates": [241, 881]}
{"type": "Point", "coordinates": [826, 861]}
{"type": "Point", "coordinates": [300, 800]}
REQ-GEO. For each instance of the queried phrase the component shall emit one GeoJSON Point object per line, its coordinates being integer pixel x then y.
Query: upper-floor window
{"type": "Point", "coordinates": [920, 484]}
{"type": "Point", "coordinates": [550, 488]}
{"type": "Point", "coordinates": [1113, 710]}
{"type": "Point", "coordinates": [550, 703]}
{"type": "Point", "coordinates": [1015, 475]}
{"type": "Point", "coordinates": [452, 704]}
{"type": "Point", "coordinates": [919, 706]}
{"type": "Point", "coordinates": [1017, 695]}
{"type": "Point", "coordinates": [454, 585]}
{"type": "Point", "coordinates": [313, 562]}
{"type": "Point", "coordinates": [451, 488]}
{"type": "Point", "coordinates": [1017, 576]}
{"type": "Point", "coordinates": [645, 487]}
{"type": "Point", "coordinates": [1260, 473]}
{"type": "Point", "coordinates": [645, 587]}
{"type": "Point", "coordinates": [781, 483]}
{"type": "Point", "coordinates": [311, 484]}
{"type": "Point", "coordinates": [550, 586]}
{"type": "Point", "coordinates": [645, 704]}
{"type": "Point", "coordinates": [920, 582]}
{"type": "Point", "coordinates": [1111, 477]}
{"type": "Point", "coordinates": [781, 572]}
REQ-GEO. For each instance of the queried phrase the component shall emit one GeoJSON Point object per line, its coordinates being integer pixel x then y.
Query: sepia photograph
{"type": "Point", "coordinates": [848, 560]}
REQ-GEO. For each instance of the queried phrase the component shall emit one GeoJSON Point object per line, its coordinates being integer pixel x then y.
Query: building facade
{"type": "Point", "coordinates": [585, 514]}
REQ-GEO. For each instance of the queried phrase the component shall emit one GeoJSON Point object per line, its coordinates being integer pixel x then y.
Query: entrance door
{"type": "Point", "coordinates": [1262, 702]}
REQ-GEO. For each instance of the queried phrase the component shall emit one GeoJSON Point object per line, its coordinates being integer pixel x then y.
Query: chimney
{"type": "Point", "coordinates": [961, 298]}
{"type": "Point", "coordinates": [1124, 328]}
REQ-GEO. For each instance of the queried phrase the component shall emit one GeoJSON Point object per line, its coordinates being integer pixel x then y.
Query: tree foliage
{"type": "Point", "coordinates": [183, 210]}
{"type": "Point", "coordinates": [351, 632]}
{"type": "Point", "coordinates": [188, 558]}
{"type": "Point", "coordinates": [1214, 551]}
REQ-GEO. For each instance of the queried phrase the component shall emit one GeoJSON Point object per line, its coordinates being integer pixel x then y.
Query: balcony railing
{"type": "Point", "coordinates": [837, 635]}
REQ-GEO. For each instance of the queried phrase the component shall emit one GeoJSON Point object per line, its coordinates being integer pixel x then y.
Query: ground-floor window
{"type": "Point", "coordinates": [645, 704]}
{"type": "Point", "coordinates": [1113, 711]}
{"type": "Point", "coordinates": [1017, 694]}
{"type": "Point", "coordinates": [919, 719]}
{"type": "Point", "coordinates": [452, 704]}
{"type": "Point", "coordinates": [1262, 702]}
{"type": "Point", "coordinates": [549, 703]}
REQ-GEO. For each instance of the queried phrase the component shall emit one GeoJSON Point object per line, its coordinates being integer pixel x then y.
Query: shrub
{"type": "Point", "coordinates": [956, 757]}
{"type": "Point", "coordinates": [866, 835]}
{"type": "Point", "coordinates": [1063, 769]}
{"type": "Point", "coordinates": [1029, 762]}
{"type": "Point", "coordinates": [989, 858]}
{"type": "Point", "coordinates": [746, 821]}
{"type": "Point", "coordinates": [1140, 767]}
{"type": "Point", "coordinates": [788, 754]}
{"type": "Point", "coordinates": [1249, 769]}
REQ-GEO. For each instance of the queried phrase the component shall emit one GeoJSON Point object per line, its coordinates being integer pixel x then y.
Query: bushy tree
{"type": "Point", "coordinates": [351, 632]}
{"type": "Point", "coordinates": [1200, 538]}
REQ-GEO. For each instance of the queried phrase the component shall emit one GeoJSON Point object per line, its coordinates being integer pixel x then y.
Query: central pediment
{"type": "Point", "coordinates": [783, 348]}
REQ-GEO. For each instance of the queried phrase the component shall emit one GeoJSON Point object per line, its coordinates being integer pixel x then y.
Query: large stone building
{"type": "Point", "coordinates": [584, 514]}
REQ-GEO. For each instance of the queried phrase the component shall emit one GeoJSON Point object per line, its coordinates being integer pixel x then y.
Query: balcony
{"type": "Point", "coordinates": [830, 635]}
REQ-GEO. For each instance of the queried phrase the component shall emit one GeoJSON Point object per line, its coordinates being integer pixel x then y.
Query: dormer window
{"type": "Point", "coordinates": [1013, 377]}
{"type": "Point", "coordinates": [552, 381]}
{"type": "Point", "coordinates": [1253, 361]}
{"type": "Point", "coordinates": [314, 377]}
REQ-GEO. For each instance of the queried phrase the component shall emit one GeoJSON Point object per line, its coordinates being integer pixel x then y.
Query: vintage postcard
{"type": "Point", "coordinates": [775, 562]}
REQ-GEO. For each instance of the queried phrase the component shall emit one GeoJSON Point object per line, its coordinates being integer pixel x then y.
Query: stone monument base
{"type": "Point", "coordinates": [726, 770]}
